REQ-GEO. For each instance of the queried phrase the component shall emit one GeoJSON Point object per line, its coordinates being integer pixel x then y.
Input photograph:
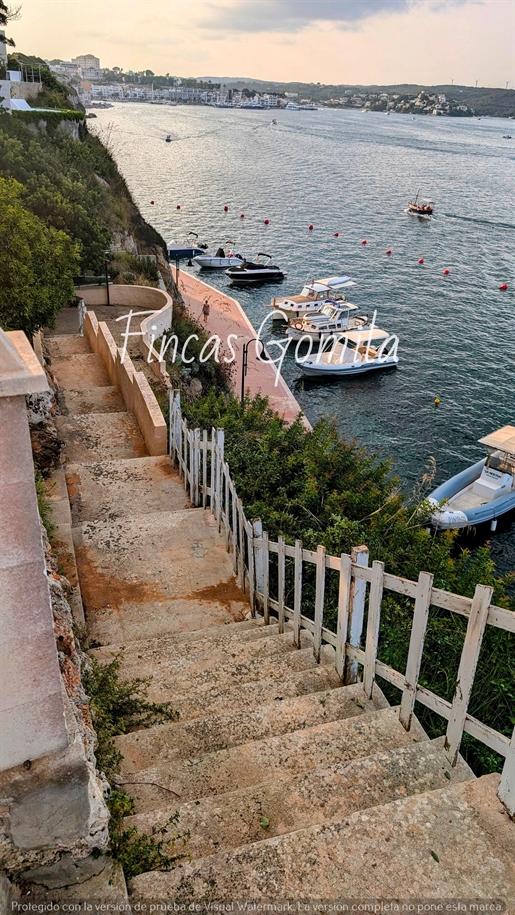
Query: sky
{"type": "Point", "coordinates": [328, 41]}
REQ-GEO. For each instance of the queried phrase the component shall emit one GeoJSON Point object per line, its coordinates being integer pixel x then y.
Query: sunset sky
{"type": "Point", "coordinates": [327, 41]}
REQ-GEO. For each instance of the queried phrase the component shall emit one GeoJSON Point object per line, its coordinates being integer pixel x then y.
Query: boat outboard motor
{"type": "Point", "coordinates": [220, 253]}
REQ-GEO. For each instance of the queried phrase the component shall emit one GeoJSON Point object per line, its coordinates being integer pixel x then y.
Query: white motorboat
{"type": "Point", "coordinates": [480, 493]}
{"type": "Point", "coordinates": [258, 271]}
{"type": "Point", "coordinates": [220, 259]}
{"type": "Point", "coordinates": [188, 249]}
{"type": "Point", "coordinates": [357, 352]}
{"type": "Point", "coordinates": [312, 298]}
{"type": "Point", "coordinates": [332, 319]}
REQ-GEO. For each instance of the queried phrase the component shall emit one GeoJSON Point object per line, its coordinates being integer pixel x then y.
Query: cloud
{"type": "Point", "coordinates": [295, 15]}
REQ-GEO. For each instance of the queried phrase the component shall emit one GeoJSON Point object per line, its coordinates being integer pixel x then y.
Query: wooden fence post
{"type": "Point", "coordinates": [297, 594]}
{"type": "Point", "coordinates": [252, 570]}
{"type": "Point", "coordinates": [226, 499]}
{"type": "Point", "coordinates": [266, 578]}
{"type": "Point", "coordinates": [342, 624]}
{"type": "Point", "coordinates": [358, 590]}
{"type": "Point", "coordinates": [219, 465]}
{"type": "Point", "coordinates": [280, 581]}
{"type": "Point", "coordinates": [468, 663]}
{"type": "Point", "coordinates": [259, 560]}
{"type": "Point", "coordinates": [212, 504]}
{"type": "Point", "coordinates": [507, 784]}
{"type": "Point", "coordinates": [416, 647]}
{"type": "Point", "coordinates": [195, 447]}
{"type": "Point", "coordinates": [241, 538]}
{"type": "Point", "coordinates": [319, 602]}
{"type": "Point", "coordinates": [234, 510]}
{"type": "Point", "coordinates": [374, 618]}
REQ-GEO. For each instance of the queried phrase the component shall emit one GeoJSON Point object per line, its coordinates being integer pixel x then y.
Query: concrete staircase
{"type": "Point", "coordinates": [291, 786]}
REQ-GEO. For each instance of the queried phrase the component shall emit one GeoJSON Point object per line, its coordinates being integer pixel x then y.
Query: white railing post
{"type": "Point", "coordinates": [234, 512]}
{"type": "Point", "coordinates": [280, 581]}
{"type": "Point", "coordinates": [259, 559]}
{"type": "Point", "coordinates": [416, 648]}
{"type": "Point", "coordinates": [241, 540]}
{"type": "Point", "coordinates": [204, 467]}
{"type": "Point", "coordinates": [319, 602]}
{"type": "Point", "coordinates": [171, 424]}
{"type": "Point", "coordinates": [195, 447]}
{"type": "Point", "coordinates": [213, 471]}
{"type": "Point", "coordinates": [467, 669]}
{"type": "Point", "coordinates": [297, 594]}
{"type": "Point", "coordinates": [342, 624]}
{"type": "Point", "coordinates": [266, 578]}
{"type": "Point", "coordinates": [219, 465]}
{"type": "Point", "coordinates": [227, 479]}
{"type": "Point", "coordinates": [374, 618]}
{"type": "Point", "coordinates": [507, 784]}
{"type": "Point", "coordinates": [252, 570]}
{"type": "Point", "coordinates": [359, 556]}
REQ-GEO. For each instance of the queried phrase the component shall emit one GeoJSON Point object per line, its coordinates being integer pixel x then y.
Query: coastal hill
{"type": "Point", "coordinates": [484, 101]}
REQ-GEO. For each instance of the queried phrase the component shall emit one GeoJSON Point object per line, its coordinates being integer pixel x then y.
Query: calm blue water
{"type": "Point", "coordinates": [352, 173]}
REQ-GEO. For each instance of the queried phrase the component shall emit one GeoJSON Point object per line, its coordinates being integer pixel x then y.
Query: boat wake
{"type": "Point", "coordinates": [480, 222]}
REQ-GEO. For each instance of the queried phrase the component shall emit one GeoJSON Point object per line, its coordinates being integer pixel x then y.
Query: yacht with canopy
{"type": "Point", "coordinates": [312, 297]}
{"type": "Point", "coordinates": [482, 492]}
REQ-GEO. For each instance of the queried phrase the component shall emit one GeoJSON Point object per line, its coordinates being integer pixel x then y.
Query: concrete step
{"type": "Point", "coordinates": [80, 371]}
{"type": "Point", "coordinates": [100, 436]}
{"type": "Point", "coordinates": [451, 843]}
{"type": "Point", "coordinates": [262, 760]}
{"type": "Point", "coordinates": [107, 490]}
{"type": "Point", "coordinates": [94, 400]}
{"type": "Point", "coordinates": [185, 670]}
{"type": "Point", "coordinates": [197, 643]}
{"type": "Point", "coordinates": [61, 345]}
{"type": "Point", "coordinates": [155, 574]}
{"type": "Point", "coordinates": [296, 802]}
{"type": "Point", "coordinates": [192, 738]}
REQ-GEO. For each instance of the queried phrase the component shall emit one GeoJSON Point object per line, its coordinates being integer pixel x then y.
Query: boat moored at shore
{"type": "Point", "coordinates": [219, 260]}
{"type": "Point", "coordinates": [188, 249]}
{"type": "Point", "coordinates": [312, 298]}
{"type": "Point", "coordinates": [332, 319]}
{"type": "Point", "coordinates": [258, 271]}
{"type": "Point", "coordinates": [481, 493]}
{"type": "Point", "coordinates": [357, 352]}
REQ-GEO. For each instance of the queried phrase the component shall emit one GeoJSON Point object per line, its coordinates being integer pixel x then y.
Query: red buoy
{"type": "Point", "coordinates": [310, 226]}
{"type": "Point", "coordinates": [178, 206]}
{"type": "Point", "coordinates": [389, 251]}
{"type": "Point", "coordinates": [266, 222]}
{"type": "Point", "coordinates": [226, 209]}
{"type": "Point", "coordinates": [446, 272]}
{"type": "Point", "coordinates": [152, 202]}
{"type": "Point", "coordinates": [421, 260]}
{"type": "Point", "coordinates": [336, 234]}
{"type": "Point", "coordinates": [364, 241]}
{"type": "Point", "coordinates": [503, 287]}
{"type": "Point", "coordinates": [242, 215]}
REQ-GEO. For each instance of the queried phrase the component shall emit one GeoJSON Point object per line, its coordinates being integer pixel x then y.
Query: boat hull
{"type": "Point", "coordinates": [254, 276]}
{"type": "Point", "coordinates": [347, 370]}
{"type": "Point", "coordinates": [216, 263]}
{"type": "Point", "coordinates": [179, 252]}
{"type": "Point", "coordinates": [445, 519]}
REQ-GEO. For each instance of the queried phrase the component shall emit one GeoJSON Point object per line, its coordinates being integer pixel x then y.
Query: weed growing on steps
{"type": "Point", "coordinates": [44, 504]}
{"type": "Point", "coordinates": [117, 707]}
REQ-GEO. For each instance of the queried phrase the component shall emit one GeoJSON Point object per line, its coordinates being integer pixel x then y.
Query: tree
{"type": "Point", "coordinates": [8, 14]}
{"type": "Point", "coordinates": [37, 265]}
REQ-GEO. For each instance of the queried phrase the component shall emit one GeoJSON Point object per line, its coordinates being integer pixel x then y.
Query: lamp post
{"type": "Point", "coordinates": [262, 356]}
{"type": "Point", "coordinates": [106, 263]}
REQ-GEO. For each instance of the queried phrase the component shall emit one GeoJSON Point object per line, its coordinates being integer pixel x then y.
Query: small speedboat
{"type": "Point", "coordinates": [311, 298]}
{"type": "Point", "coordinates": [332, 319]}
{"type": "Point", "coordinates": [482, 492]}
{"type": "Point", "coordinates": [169, 138]}
{"type": "Point", "coordinates": [356, 352]}
{"type": "Point", "coordinates": [221, 259]}
{"type": "Point", "coordinates": [258, 271]}
{"type": "Point", "coordinates": [420, 206]}
{"type": "Point", "coordinates": [189, 248]}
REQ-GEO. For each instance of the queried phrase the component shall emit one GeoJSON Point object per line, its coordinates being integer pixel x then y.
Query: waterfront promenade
{"type": "Point", "coordinates": [226, 316]}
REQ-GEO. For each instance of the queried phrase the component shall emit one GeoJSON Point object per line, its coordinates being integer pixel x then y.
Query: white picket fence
{"type": "Point", "coordinates": [200, 458]}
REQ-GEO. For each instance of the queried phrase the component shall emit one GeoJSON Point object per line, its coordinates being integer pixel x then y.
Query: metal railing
{"type": "Point", "coordinates": [200, 458]}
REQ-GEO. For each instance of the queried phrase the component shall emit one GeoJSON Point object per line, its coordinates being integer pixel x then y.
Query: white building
{"type": "Point", "coordinates": [86, 62]}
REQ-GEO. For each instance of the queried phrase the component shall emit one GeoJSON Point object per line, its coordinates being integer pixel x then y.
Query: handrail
{"type": "Point", "coordinates": [200, 458]}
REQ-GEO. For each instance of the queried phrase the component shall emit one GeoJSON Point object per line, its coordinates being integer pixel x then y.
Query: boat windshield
{"type": "Point", "coordinates": [501, 461]}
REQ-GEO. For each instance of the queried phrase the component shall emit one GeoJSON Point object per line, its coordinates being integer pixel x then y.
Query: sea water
{"type": "Point", "coordinates": [353, 173]}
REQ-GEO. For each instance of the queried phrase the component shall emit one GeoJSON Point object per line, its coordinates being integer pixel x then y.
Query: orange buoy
{"type": "Point", "coordinates": [389, 251]}
{"type": "Point", "coordinates": [266, 222]}
{"type": "Point", "coordinates": [226, 209]}
{"type": "Point", "coordinates": [310, 226]}
{"type": "Point", "coordinates": [364, 241]}
{"type": "Point", "coordinates": [446, 272]}
{"type": "Point", "coordinates": [178, 206]}
{"type": "Point", "coordinates": [421, 260]}
{"type": "Point", "coordinates": [336, 234]}
{"type": "Point", "coordinates": [242, 215]}
{"type": "Point", "coordinates": [503, 287]}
